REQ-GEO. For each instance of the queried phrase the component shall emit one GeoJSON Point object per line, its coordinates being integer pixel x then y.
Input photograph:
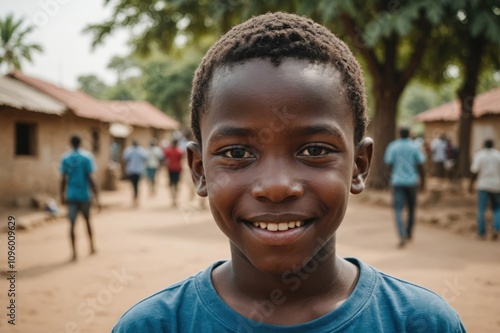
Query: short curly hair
{"type": "Point", "coordinates": [276, 36]}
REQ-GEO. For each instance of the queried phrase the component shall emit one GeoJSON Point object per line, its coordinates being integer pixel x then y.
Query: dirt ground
{"type": "Point", "coordinates": [144, 249]}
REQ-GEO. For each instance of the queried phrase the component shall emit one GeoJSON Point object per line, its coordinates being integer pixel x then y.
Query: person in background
{"type": "Point", "coordinates": [173, 156]}
{"type": "Point", "coordinates": [438, 149]}
{"type": "Point", "coordinates": [406, 162]}
{"type": "Point", "coordinates": [450, 164]}
{"type": "Point", "coordinates": [77, 184]}
{"type": "Point", "coordinates": [135, 158]}
{"type": "Point", "coordinates": [153, 162]}
{"type": "Point", "coordinates": [485, 169]}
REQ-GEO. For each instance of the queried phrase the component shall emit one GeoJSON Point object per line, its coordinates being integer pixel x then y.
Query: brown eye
{"type": "Point", "coordinates": [237, 153]}
{"type": "Point", "coordinates": [314, 151]}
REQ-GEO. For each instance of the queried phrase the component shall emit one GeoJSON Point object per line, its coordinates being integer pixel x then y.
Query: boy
{"type": "Point", "coordinates": [278, 113]}
{"type": "Point", "coordinates": [77, 183]}
{"type": "Point", "coordinates": [173, 158]}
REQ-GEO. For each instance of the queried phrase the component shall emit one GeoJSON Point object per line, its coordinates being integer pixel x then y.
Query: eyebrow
{"type": "Point", "coordinates": [228, 131]}
{"type": "Point", "coordinates": [317, 129]}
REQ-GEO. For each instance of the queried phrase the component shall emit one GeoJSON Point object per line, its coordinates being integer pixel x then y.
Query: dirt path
{"type": "Point", "coordinates": [144, 249]}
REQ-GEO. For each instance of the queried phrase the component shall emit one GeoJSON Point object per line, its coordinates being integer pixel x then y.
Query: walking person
{"type": "Point", "coordinates": [485, 169]}
{"type": "Point", "coordinates": [173, 157]}
{"type": "Point", "coordinates": [135, 159]}
{"type": "Point", "coordinates": [153, 162]}
{"type": "Point", "coordinates": [77, 184]}
{"type": "Point", "coordinates": [406, 163]}
{"type": "Point", "coordinates": [438, 149]}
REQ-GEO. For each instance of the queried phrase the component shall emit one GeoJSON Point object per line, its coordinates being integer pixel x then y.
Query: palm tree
{"type": "Point", "coordinates": [13, 45]}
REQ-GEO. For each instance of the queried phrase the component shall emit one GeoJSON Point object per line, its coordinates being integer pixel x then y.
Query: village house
{"type": "Point", "coordinates": [485, 125]}
{"type": "Point", "coordinates": [37, 119]}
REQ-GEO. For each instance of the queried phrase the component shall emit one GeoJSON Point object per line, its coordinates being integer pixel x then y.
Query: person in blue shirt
{"type": "Point", "coordinates": [278, 112]}
{"type": "Point", "coordinates": [135, 158]}
{"type": "Point", "coordinates": [77, 184]}
{"type": "Point", "coordinates": [406, 163]}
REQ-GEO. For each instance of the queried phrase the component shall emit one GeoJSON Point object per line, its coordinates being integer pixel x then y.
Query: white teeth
{"type": "Point", "coordinates": [272, 226]}
{"type": "Point", "coordinates": [281, 226]}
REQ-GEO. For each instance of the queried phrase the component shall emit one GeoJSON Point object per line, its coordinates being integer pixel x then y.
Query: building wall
{"type": "Point", "coordinates": [144, 135]}
{"type": "Point", "coordinates": [21, 177]}
{"type": "Point", "coordinates": [436, 128]}
{"type": "Point", "coordinates": [486, 127]}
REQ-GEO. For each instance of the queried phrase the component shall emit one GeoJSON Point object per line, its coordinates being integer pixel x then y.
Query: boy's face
{"type": "Point", "coordinates": [278, 153]}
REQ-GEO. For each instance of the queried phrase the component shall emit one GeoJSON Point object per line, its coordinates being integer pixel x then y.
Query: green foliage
{"type": "Point", "coordinates": [168, 84]}
{"type": "Point", "coordinates": [92, 85]}
{"type": "Point", "coordinates": [163, 81]}
{"type": "Point", "coordinates": [121, 65]}
{"type": "Point", "coordinates": [394, 40]}
{"type": "Point", "coordinates": [13, 46]}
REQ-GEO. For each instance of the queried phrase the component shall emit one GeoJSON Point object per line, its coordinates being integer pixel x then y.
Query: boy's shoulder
{"type": "Point", "coordinates": [79, 153]}
{"type": "Point", "coordinates": [168, 310]}
{"type": "Point", "coordinates": [410, 307]}
{"type": "Point", "coordinates": [379, 301]}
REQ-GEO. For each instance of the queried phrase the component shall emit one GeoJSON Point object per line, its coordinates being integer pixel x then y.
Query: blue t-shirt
{"type": "Point", "coordinates": [135, 157]}
{"type": "Point", "coordinates": [77, 165]}
{"type": "Point", "coordinates": [404, 156]}
{"type": "Point", "coordinates": [378, 303]}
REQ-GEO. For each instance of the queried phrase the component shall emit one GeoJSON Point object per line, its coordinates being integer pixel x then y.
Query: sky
{"type": "Point", "coordinates": [67, 51]}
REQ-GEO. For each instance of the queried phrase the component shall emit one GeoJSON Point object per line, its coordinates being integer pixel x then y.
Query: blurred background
{"type": "Point", "coordinates": [114, 71]}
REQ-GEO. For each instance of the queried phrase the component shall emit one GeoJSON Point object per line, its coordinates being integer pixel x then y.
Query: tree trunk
{"type": "Point", "coordinates": [464, 134]}
{"type": "Point", "coordinates": [383, 129]}
{"type": "Point", "coordinates": [467, 94]}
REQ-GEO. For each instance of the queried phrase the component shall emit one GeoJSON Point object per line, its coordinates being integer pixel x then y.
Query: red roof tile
{"type": "Point", "coordinates": [485, 103]}
{"type": "Point", "coordinates": [140, 113]}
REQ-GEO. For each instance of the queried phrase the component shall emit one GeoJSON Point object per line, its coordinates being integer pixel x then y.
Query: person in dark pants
{"type": "Point", "coordinates": [173, 158]}
{"type": "Point", "coordinates": [406, 163]}
{"type": "Point", "coordinates": [135, 158]}
{"type": "Point", "coordinates": [77, 183]}
{"type": "Point", "coordinates": [485, 169]}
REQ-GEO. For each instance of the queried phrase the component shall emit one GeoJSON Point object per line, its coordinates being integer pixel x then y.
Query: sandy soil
{"type": "Point", "coordinates": [144, 249]}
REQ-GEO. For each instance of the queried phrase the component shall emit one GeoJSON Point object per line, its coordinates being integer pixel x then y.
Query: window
{"type": "Point", "coordinates": [26, 141]}
{"type": "Point", "coordinates": [96, 144]}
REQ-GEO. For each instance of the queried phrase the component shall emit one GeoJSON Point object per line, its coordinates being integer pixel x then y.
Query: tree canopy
{"type": "Point", "coordinates": [14, 47]}
{"type": "Point", "coordinates": [395, 41]}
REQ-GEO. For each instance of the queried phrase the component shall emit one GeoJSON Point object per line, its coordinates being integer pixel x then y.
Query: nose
{"type": "Point", "coordinates": [277, 184]}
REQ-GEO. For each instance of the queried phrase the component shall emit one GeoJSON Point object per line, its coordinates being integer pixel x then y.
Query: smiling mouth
{"type": "Point", "coordinates": [278, 226]}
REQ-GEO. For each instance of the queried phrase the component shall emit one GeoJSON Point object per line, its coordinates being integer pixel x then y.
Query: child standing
{"type": "Point", "coordinates": [173, 158]}
{"type": "Point", "coordinates": [278, 111]}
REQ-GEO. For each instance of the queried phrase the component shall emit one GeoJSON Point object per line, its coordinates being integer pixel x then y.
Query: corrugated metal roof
{"type": "Point", "coordinates": [485, 103]}
{"type": "Point", "coordinates": [80, 103]}
{"type": "Point", "coordinates": [134, 113]}
{"type": "Point", "coordinates": [18, 95]}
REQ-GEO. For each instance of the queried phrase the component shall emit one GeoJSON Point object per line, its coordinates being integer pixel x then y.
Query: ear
{"type": "Point", "coordinates": [362, 162]}
{"type": "Point", "coordinates": [195, 163]}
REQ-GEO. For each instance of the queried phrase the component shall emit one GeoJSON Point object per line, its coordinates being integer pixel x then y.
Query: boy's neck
{"type": "Point", "coordinates": [244, 288]}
